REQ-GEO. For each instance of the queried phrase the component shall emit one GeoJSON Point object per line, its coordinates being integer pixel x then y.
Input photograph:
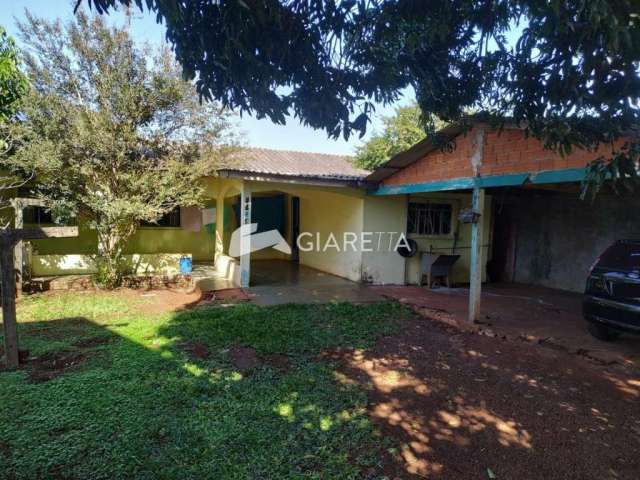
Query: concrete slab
{"type": "Point", "coordinates": [206, 278]}
{"type": "Point", "coordinates": [530, 313]}
{"type": "Point", "coordinates": [277, 282]}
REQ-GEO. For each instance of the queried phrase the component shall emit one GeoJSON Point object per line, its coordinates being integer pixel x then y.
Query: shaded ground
{"type": "Point", "coordinates": [116, 388]}
{"type": "Point", "coordinates": [465, 406]}
{"type": "Point", "coordinates": [238, 391]}
{"type": "Point", "coordinates": [523, 312]}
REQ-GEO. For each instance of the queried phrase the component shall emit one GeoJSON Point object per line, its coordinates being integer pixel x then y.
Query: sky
{"type": "Point", "coordinates": [257, 133]}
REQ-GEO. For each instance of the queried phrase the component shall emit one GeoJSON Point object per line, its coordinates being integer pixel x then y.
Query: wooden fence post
{"type": "Point", "coordinates": [18, 259]}
{"type": "Point", "coordinates": [8, 239]}
{"type": "Point", "coordinates": [9, 302]}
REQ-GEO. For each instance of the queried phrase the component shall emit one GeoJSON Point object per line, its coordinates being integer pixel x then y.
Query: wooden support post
{"type": "Point", "coordinates": [475, 287]}
{"type": "Point", "coordinates": [9, 302]}
{"type": "Point", "coordinates": [18, 259]}
{"type": "Point", "coordinates": [8, 240]}
{"type": "Point", "coordinates": [19, 204]}
{"type": "Point", "coordinates": [245, 238]}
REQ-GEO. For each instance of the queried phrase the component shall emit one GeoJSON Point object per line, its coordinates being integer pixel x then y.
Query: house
{"type": "Point", "coordinates": [320, 197]}
{"type": "Point", "coordinates": [532, 226]}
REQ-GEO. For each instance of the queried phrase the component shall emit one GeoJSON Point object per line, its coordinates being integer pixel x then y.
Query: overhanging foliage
{"type": "Point", "coordinates": [114, 134]}
{"type": "Point", "coordinates": [566, 70]}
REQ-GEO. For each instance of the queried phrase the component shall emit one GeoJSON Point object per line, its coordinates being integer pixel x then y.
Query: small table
{"type": "Point", "coordinates": [436, 265]}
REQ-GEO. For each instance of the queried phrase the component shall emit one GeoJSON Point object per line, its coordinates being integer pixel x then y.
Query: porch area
{"type": "Point", "coordinates": [279, 281]}
{"type": "Point", "coordinates": [275, 282]}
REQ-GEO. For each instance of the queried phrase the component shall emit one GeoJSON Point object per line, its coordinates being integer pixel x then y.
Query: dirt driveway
{"type": "Point", "coordinates": [466, 406]}
{"type": "Point", "coordinates": [536, 314]}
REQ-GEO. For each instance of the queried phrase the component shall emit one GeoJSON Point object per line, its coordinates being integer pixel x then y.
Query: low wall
{"type": "Point", "coordinates": [228, 267]}
{"type": "Point", "coordinates": [77, 264]}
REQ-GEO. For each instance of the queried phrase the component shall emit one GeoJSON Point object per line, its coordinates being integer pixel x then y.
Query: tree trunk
{"type": "Point", "coordinates": [111, 244]}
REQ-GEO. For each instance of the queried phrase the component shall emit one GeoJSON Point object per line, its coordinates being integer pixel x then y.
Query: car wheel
{"type": "Point", "coordinates": [602, 332]}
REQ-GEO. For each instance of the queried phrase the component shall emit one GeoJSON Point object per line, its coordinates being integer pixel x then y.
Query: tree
{"type": "Point", "coordinates": [114, 134]}
{"type": "Point", "coordinates": [13, 86]}
{"type": "Point", "coordinates": [13, 83]}
{"type": "Point", "coordinates": [400, 132]}
{"type": "Point", "coordinates": [569, 74]}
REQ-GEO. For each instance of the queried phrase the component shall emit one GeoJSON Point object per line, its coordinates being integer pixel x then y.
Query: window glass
{"type": "Point", "coordinates": [621, 255]}
{"type": "Point", "coordinates": [37, 216]}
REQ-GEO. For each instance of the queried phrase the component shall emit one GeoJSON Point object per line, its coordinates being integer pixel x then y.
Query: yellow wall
{"type": "Point", "coordinates": [73, 264]}
{"type": "Point", "coordinates": [448, 243]}
{"type": "Point", "coordinates": [60, 256]}
{"type": "Point", "coordinates": [325, 213]}
{"type": "Point", "coordinates": [389, 213]}
{"type": "Point", "coordinates": [384, 214]}
{"type": "Point", "coordinates": [146, 240]}
{"type": "Point", "coordinates": [323, 210]}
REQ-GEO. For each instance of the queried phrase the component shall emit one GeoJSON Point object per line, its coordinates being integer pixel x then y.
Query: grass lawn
{"type": "Point", "coordinates": [120, 392]}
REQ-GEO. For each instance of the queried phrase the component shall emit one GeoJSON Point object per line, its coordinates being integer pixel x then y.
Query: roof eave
{"type": "Point", "coordinates": [326, 181]}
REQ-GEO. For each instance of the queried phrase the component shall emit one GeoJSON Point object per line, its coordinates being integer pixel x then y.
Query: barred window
{"type": "Point", "coordinates": [429, 218]}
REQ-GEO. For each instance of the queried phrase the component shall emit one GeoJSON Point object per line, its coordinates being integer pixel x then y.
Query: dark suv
{"type": "Point", "coordinates": [612, 296]}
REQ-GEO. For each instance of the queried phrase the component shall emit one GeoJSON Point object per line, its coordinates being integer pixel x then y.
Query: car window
{"type": "Point", "coordinates": [621, 255]}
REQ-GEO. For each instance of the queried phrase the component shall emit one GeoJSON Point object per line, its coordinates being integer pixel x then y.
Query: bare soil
{"type": "Point", "coordinates": [53, 364]}
{"type": "Point", "coordinates": [197, 350]}
{"type": "Point", "coordinates": [467, 406]}
{"type": "Point", "coordinates": [159, 301]}
{"type": "Point", "coordinates": [278, 361]}
{"type": "Point", "coordinates": [244, 358]}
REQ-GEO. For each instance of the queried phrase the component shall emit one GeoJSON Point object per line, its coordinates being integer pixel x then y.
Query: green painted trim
{"type": "Point", "coordinates": [566, 175]}
{"type": "Point", "coordinates": [509, 180]}
{"type": "Point", "coordinates": [455, 184]}
{"type": "Point", "coordinates": [464, 183]}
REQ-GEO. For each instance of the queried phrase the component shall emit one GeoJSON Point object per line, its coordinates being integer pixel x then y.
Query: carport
{"type": "Point", "coordinates": [529, 225]}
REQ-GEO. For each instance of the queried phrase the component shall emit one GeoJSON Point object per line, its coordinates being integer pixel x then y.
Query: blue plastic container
{"type": "Point", "coordinates": [186, 265]}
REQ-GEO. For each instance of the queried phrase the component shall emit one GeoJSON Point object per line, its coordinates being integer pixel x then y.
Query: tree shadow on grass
{"type": "Point", "coordinates": [123, 398]}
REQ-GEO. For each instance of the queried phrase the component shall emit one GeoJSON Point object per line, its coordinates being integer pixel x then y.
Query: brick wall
{"type": "Point", "coordinates": [504, 153]}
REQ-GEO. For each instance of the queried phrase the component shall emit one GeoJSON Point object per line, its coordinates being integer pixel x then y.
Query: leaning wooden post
{"type": "Point", "coordinates": [9, 301]}
{"type": "Point", "coordinates": [8, 240]}
{"type": "Point", "coordinates": [19, 204]}
{"type": "Point", "coordinates": [18, 261]}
